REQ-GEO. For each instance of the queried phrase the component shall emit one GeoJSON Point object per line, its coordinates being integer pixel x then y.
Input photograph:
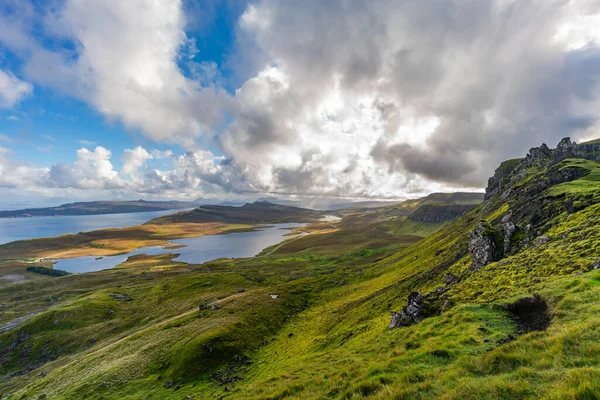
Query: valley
{"type": "Point", "coordinates": [447, 297]}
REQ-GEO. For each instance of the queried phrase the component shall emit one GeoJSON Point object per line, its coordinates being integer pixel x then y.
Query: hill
{"type": "Point", "coordinates": [260, 212]}
{"type": "Point", "coordinates": [97, 207]}
{"type": "Point", "coordinates": [501, 303]}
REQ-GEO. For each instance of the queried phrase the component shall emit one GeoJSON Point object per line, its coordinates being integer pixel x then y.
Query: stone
{"type": "Point", "coordinates": [541, 240]}
{"type": "Point", "coordinates": [169, 384]}
{"type": "Point", "coordinates": [450, 279]}
{"type": "Point", "coordinates": [537, 155]}
{"type": "Point", "coordinates": [121, 296]}
{"type": "Point", "coordinates": [595, 265]}
{"type": "Point", "coordinates": [215, 307]}
{"type": "Point", "coordinates": [566, 148]}
{"type": "Point", "coordinates": [482, 248]}
{"type": "Point", "coordinates": [274, 296]}
{"type": "Point", "coordinates": [411, 314]}
{"type": "Point", "coordinates": [509, 228]}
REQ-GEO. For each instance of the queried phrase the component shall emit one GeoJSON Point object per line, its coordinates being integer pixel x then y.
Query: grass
{"type": "Point", "coordinates": [137, 331]}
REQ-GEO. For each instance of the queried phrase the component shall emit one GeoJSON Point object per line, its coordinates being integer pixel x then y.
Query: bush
{"type": "Point", "coordinates": [47, 271]}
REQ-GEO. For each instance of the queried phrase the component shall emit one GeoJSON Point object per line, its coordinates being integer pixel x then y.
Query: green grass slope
{"type": "Point", "coordinates": [309, 319]}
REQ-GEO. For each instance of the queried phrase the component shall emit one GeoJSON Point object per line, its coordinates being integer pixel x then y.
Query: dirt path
{"type": "Point", "coordinates": [10, 325]}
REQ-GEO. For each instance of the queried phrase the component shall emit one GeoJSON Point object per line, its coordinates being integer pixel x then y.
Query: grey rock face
{"type": "Point", "coordinates": [566, 148]}
{"type": "Point", "coordinates": [481, 247]}
{"type": "Point", "coordinates": [538, 155]}
{"type": "Point", "coordinates": [595, 265]}
{"type": "Point", "coordinates": [411, 314]}
{"type": "Point", "coordinates": [509, 228]}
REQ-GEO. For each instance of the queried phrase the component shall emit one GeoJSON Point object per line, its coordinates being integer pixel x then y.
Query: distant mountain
{"type": "Point", "coordinates": [98, 207]}
{"type": "Point", "coordinates": [250, 213]}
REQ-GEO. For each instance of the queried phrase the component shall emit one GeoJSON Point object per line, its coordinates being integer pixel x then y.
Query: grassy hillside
{"type": "Point", "coordinates": [509, 308]}
{"type": "Point", "coordinates": [260, 212]}
{"type": "Point", "coordinates": [97, 207]}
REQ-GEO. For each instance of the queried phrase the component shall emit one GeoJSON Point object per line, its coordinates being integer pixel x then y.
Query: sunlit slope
{"type": "Point", "coordinates": [310, 319]}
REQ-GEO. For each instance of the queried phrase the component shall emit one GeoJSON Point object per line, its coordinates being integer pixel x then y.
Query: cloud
{"type": "Point", "coordinates": [84, 142]}
{"type": "Point", "coordinates": [377, 98]}
{"type": "Point", "coordinates": [337, 98]}
{"type": "Point", "coordinates": [15, 174]}
{"type": "Point", "coordinates": [12, 91]}
{"type": "Point", "coordinates": [190, 175]}
{"type": "Point", "coordinates": [133, 160]}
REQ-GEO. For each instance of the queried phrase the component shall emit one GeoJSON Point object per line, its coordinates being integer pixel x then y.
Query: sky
{"type": "Point", "coordinates": [238, 100]}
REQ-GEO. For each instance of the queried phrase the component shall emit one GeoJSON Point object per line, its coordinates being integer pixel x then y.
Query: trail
{"type": "Point", "coordinates": [10, 325]}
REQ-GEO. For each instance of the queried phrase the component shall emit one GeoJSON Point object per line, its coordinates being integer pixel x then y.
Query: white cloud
{"type": "Point", "coordinates": [361, 98]}
{"type": "Point", "coordinates": [133, 160]}
{"type": "Point", "coordinates": [12, 90]}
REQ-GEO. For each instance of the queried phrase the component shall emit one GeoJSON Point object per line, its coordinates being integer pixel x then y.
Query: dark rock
{"type": "Point", "coordinates": [538, 155]}
{"type": "Point", "coordinates": [595, 265]}
{"type": "Point", "coordinates": [450, 279]}
{"type": "Point", "coordinates": [215, 307]}
{"type": "Point", "coordinates": [509, 228]}
{"type": "Point", "coordinates": [565, 149]}
{"type": "Point", "coordinates": [204, 306]}
{"type": "Point", "coordinates": [169, 384]}
{"type": "Point", "coordinates": [102, 384]}
{"type": "Point", "coordinates": [121, 296]}
{"type": "Point", "coordinates": [578, 273]}
{"type": "Point", "coordinates": [411, 314]}
{"type": "Point", "coordinates": [482, 247]}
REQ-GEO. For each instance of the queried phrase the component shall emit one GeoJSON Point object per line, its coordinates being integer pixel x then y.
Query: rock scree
{"type": "Point", "coordinates": [411, 314]}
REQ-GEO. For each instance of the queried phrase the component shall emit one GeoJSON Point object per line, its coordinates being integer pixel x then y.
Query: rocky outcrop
{"type": "Point", "coordinates": [538, 156]}
{"type": "Point", "coordinates": [411, 314]}
{"type": "Point", "coordinates": [439, 213]}
{"type": "Point", "coordinates": [509, 228]}
{"type": "Point", "coordinates": [482, 246]}
{"type": "Point", "coordinates": [511, 171]}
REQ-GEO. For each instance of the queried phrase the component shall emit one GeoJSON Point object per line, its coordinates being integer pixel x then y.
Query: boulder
{"type": "Point", "coordinates": [411, 314]}
{"type": "Point", "coordinates": [541, 240]}
{"type": "Point", "coordinates": [595, 265]}
{"type": "Point", "coordinates": [450, 279]}
{"type": "Point", "coordinates": [482, 247]}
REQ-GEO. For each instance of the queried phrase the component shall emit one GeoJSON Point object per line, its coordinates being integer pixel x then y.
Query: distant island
{"type": "Point", "coordinates": [98, 207]}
